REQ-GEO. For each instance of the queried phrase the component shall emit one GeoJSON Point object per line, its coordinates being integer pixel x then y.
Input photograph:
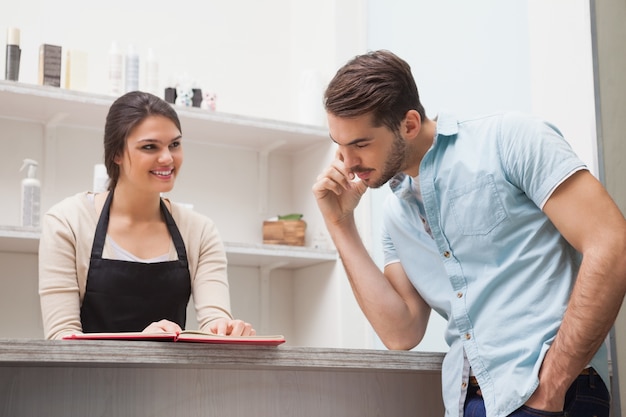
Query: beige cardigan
{"type": "Point", "coordinates": [68, 229]}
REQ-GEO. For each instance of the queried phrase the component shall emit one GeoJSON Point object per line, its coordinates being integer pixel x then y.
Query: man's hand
{"type": "Point", "coordinates": [337, 193]}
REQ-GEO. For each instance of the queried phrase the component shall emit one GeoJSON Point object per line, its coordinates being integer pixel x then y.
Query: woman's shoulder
{"type": "Point", "coordinates": [69, 206]}
{"type": "Point", "coordinates": [187, 217]}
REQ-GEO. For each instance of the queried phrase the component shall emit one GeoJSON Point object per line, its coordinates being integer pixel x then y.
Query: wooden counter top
{"type": "Point", "coordinates": [165, 379]}
{"type": "Point", "coordinates": [169, 354]}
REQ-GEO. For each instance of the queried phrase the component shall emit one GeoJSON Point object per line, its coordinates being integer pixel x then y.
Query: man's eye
{"type": "Point", "coordinates": [361, 145]}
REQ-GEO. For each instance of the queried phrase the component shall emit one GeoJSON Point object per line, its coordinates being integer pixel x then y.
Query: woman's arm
{"type": "Point", "coordinates": [58, 282]}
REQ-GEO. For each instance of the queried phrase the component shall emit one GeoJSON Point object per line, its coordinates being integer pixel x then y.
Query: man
{"type": "Point", "coordinates": [495, 224]}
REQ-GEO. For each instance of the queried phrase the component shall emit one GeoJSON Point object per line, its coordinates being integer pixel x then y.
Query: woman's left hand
{"type": "Point", "coordinates": [231, 327]}
{"type": "Point", "coordinates": [163, 326]}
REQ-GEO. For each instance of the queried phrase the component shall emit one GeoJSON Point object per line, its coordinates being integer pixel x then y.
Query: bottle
{"type": "Point", "coordinates": [100, 178]}
{"type": "Point", "coordinates": [116, 62]}
{"type": "Point", "coordinates": [31, 195]}
{"type": "Point", "coordinates": [152, 73]}
{"type": "Point", "coordinates": [13, 53]}
{"type": "Point", "coordinates": [131, 70]}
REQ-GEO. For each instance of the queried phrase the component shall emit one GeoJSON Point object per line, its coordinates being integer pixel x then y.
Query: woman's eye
{"type": "Point", "coordinates": [175, 144]}
{"type": "Point", "coordinates": [148, 147]}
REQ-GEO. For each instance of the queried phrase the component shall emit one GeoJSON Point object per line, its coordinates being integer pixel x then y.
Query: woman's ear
{"type": "Point", "coordinates": [118, 158]}
{"type": "Point", "coordinates": [412, 124]}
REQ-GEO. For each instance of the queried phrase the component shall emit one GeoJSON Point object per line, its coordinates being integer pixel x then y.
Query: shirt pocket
{"type": "Point", "coordinates": [476, 206]}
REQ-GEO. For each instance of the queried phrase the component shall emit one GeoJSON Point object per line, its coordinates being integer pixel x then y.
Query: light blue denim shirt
{"type": "Point", "coordinates": [495, 267]}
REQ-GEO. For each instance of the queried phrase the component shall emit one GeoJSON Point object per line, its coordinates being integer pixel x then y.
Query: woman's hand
{"type": "Point", "coordinates": [231, 327]}
{"type": "Point", "coordinates": [163, 326]}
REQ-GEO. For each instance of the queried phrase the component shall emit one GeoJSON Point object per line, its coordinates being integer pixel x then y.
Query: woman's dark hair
{"type": "Point", "coordinates": [379, 83]}
{"type": "Point", "coordinates": [124, 114]}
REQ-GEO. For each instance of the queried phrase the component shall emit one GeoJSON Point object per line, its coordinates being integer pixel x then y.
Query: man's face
{"type": "Point", "coordinates": [374, 154]}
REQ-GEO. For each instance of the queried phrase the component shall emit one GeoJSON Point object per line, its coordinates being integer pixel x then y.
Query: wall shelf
{"type": "Point", "coordinates": [45, 104]}
{"type": "Point", "coordinates": [16, 239]}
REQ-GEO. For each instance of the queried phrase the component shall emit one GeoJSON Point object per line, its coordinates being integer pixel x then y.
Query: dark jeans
{"type": "Point", "coordinates": [586, 397]}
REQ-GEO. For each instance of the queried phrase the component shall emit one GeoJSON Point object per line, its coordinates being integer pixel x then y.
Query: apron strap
{"type": "Point", "coordinates": [101, 228]}
{"type": "Point", "coordinates": [179, 244]}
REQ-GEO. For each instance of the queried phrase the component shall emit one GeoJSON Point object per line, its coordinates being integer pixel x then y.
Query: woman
{"type": "Point", "coordinates": [127, 259]}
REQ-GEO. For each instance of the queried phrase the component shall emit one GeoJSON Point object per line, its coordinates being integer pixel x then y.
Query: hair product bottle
{"type": "Point", "coordinates": [31, 194]}
{"type": "Point", "coordinates": [116, 63]}
{"type": "Point", "coordinates": [131, 70]}
{"type": "Point", "coordinates": [152, 73]}
{"type": "Point", "coordinates": [13, 53]}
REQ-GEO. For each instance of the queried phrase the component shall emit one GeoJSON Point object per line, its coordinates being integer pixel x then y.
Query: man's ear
{"type": "Point", "coordinates": [412, 124]}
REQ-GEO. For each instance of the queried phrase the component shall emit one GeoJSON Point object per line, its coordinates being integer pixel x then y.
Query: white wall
{"type": "Point", "coordinates": [252, 53]}
{"type": "Point", "coordinates": [488, 55]}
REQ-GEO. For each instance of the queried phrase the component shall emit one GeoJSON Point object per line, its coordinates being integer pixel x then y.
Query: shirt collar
{"type": "Point", "coordinates": [447, 125]}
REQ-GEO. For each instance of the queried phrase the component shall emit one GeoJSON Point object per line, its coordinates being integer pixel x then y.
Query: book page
{"type": "Point", "coordinates": [122, 336]}
{"type": "Point", "coordinates": [202, 337]}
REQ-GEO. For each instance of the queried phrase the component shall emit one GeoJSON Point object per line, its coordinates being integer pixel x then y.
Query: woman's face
{"type": "Point", "coordinates": [152, 157]}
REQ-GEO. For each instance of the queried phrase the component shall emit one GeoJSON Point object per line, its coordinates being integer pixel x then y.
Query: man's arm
{"type": "Point", "coordinates": [584, 213]}
{"type": "Point", "coordinates": [394, 308]}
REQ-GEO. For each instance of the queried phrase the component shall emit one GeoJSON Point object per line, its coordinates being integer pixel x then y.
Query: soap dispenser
{"type": "Point", "coordinates": [31, 194]}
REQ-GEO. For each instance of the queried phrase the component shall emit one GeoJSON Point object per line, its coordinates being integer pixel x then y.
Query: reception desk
{"type": "Point", "coordinates": [127, 378]}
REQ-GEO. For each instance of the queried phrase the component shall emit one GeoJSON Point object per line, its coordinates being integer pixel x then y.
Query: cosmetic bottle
{"type": "Point", "coordinates": [31, 195]}
{"type": "Point", "coordinates": [152, 73]}
{"type": "Point", "coordinates": [13, 53]}
{"type": "Point", "coordinates": [100, 178]}
{"type": "Point", "coordinates": [131, 70]}
{"type": "Point", "coordinates": [116, 63]}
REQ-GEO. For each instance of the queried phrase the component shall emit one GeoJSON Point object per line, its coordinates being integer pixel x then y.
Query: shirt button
{"type": "Point", "coordinates": [468, 336]}
{"type": "Point", "coordinates": [446, 254]}
{"type": "Point", "coordinates": [459, 295]}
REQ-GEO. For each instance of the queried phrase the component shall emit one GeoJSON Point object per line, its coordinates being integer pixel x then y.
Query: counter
{"type": "Point", "coordinates": [129, 378]}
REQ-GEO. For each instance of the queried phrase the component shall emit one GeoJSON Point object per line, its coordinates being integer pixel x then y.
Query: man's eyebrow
{"type": "Point", "coordinates": [353, 142]}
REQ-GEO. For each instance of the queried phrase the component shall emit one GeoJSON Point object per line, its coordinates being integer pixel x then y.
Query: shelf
{"type": "Point", "coordinates": [15, 239]}
{"type": "Point", "coordinates": [279, 256]}
{"type": "Point", "coordinates": [61, 107]}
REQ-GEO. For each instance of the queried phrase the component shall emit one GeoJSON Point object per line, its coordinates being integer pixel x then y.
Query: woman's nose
{"type": "Point", "coordinates": [165, 156]}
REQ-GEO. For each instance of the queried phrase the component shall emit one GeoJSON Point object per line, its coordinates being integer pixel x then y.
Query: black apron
{"type": "Point", "coordinates": [124, 296]}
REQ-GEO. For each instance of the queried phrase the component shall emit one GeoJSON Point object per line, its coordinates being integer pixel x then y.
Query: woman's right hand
{"type": "Point", "coordinates": [163, 326]}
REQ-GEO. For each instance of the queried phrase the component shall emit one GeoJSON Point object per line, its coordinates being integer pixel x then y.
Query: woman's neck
{"type": "Point", "coordinates": [136, 206]}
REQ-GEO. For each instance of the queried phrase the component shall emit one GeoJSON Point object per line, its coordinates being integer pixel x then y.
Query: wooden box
{"type": "Point", "coordinates": [284, 232]}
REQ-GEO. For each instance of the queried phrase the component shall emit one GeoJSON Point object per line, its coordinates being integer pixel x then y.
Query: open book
{"type": "Point", "coordinates": [194, 336]}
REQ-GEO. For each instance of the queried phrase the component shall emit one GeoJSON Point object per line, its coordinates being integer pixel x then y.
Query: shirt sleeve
{"type": "Point", "coordinates": [535, 156]}
{"type": "Point", "coordinates": [389, 250]}
{"type": "Point", "coordinates": [58, 278]}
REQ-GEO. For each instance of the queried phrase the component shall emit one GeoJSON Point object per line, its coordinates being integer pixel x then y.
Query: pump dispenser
{"type": "Point", "coordinates": [31, 194]}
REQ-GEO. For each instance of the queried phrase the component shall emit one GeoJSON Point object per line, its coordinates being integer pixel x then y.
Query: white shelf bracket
{"type": "Point", "coordinates": [49, 147]}
{"type": "Point", "coordinates": [264, 175]}
{"type": "Point", "coordinates": [264, 276]}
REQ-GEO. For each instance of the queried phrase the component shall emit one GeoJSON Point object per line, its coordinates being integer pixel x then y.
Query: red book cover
{"type": "Point", "coordinates": [191, 336]}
